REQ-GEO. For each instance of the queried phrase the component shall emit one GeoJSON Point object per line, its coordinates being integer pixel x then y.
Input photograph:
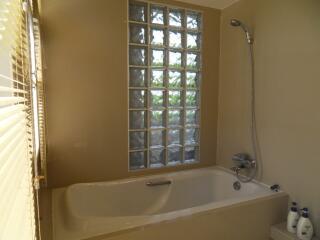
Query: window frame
{"type": "Point", "coordinates": [148, 46]}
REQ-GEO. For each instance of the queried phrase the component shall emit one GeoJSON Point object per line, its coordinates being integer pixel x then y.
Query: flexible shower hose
{"type": "Point", "coordinates": [253, 128]}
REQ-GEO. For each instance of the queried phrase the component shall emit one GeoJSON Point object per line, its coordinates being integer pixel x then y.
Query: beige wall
{"type": "Point", "coordinates": [287, 52]}
{"type": "Point", "coordinates": [85, 43]}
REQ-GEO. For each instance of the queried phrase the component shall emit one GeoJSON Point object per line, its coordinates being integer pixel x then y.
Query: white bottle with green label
{"type": "Point", "coordinates": [305, 228]}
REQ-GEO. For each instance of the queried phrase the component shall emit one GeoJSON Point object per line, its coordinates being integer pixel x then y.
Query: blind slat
{"type": "Point", "coordinates": [4, 77]}
{"type": "Point", "coordinates": [9, 151]}
{"type": "Point", "coordinates": [10, 134]}
{"type": "Point", "coordinates": [12, 90]}
{"type": "Point", "coordinates": [4, 101]}
{"type": "Point", "coordinates": [9, 122]}
{"type": "Point", "coordinates": [4, 112]}
{"type": "Point", "coordinates": [21, 204]}
{"type": "Point", "coordinates": [9, 79]}
{"type": "Point", "coordinates": [12, 188]}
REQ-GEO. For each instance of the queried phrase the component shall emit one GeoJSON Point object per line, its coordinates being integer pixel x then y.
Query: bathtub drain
{"type": "Point", "coordinates": [237, 185]}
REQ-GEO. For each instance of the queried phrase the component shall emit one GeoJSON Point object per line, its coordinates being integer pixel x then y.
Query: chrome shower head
{"type": "Point", "coordinates": [237, 23]}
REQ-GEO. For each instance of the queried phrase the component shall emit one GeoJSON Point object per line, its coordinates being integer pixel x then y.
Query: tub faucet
{"type": "Point", "coordinates": [243, 160]}
{"type": "Point", "coordinates": [235, 169]}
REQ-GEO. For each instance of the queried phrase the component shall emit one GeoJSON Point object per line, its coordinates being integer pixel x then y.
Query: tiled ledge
{"type": "Point", "coordinates": [279, 232]}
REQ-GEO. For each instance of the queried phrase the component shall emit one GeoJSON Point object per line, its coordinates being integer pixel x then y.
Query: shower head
{"type": "Point", "coordinates": [237, 23]}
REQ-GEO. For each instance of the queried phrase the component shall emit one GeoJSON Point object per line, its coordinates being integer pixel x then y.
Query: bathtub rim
{"type": "Point", "coordinates": [158, 175]}
{"type": "Point", "coordinates": [166, 176]}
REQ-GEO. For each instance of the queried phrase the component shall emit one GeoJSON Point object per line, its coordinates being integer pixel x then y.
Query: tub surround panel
{"type": "Point", "coordinates": [227, 224]}
{"type": "Point", "coordinates": [287, 54]}
{"type": "Point", "coordinates": [85, 46]}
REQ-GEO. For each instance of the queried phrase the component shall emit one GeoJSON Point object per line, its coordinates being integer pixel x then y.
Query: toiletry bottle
{"type": "Point", "coordinates": [293, 218]}
{"type": "Point", "coordinates": [305, 228]}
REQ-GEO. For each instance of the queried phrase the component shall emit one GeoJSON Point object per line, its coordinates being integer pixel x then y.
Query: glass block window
{"type": "Point", "coordinates": [164, 85]}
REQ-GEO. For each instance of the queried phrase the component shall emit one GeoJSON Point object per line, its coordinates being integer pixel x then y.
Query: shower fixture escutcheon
{"type": "Point", "coordinates": [243, 160]}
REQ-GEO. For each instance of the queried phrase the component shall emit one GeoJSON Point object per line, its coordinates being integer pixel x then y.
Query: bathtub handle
{"type": "Point", "coordinates": [158, 183]}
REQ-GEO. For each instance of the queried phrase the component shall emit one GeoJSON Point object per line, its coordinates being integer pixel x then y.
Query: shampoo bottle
{"type": "Point", "coordinates": [293, 218]}
{"type": "Point", "coordinates": [305, 228]}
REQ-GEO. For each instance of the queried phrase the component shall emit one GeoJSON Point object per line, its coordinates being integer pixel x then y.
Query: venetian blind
{"type": "Point", "coordinates": [17, 210]}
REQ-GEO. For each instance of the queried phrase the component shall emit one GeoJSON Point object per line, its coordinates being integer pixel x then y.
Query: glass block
{"type": "Point", "coordinates": [174, 136]}
{"type": "Point", "coordinates": [157, 37]}
{"type": "Point", "coordinates": [157, 138]}
{"type": "Point", "coordinates": [175, 98]}
{"type": "Point", "coordinates": [175, 39]}
{"type": "Point", "coordinates": [192, 98]}
{"type": "Point", "coordinates": [137, 99]}
{"type": "Point", "coordinates": [138, 34]}
{"type": "Point", "coordinates": [138, 160]}
{"type": "Point", "coordinates": [175, 79]}
{"type": "Point", "coordinates": [175, 59]}
{"type": "Point", "coordinates": [191, 154]}
{"type": "Point", "coordinates": [138, 12]}
{"type": "Point", "coordinates": [137, 119]}
{"type": "Point", "coordinates": [192, 117]}
{"type": "Point", "coordinates": [174, 155]}
{"type": "Point", "coordinates": [138, 56]}
{"type": "Point", "coordinates": [157, 15]}
{"type": "Point", "coordinates": [193, 41]}
{"type": "Point", "coordinates": [193, 20]}
{"type": "Point", "coordinates": [175, 18]}
{"type": "Point", "coordinates": [137, 77]}
{"type": "Point", "coordinates": [192, 79]}
{"type": "Point", "coordinates": [157, 119]}
{"type": "Point", "coordinates": [191, 136]}
{"type": "Point", "coordinates": [174, 118]}
{"type": "Point", "coordinates": [138, 140]}
{"type": "Point", "coordinates": [156, 98]}
{"type": "Point", "coordinates": [157, 58]}
{"type": "Point", "coordinates": [193, 60]}
{"type": "Point", "coordinates": [157, 78]}
{"type": "Point", "coordinates": [157, 158]}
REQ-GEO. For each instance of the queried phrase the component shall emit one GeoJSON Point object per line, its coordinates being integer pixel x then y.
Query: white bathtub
{"type": "Point", "coordinates": [111, 209]}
